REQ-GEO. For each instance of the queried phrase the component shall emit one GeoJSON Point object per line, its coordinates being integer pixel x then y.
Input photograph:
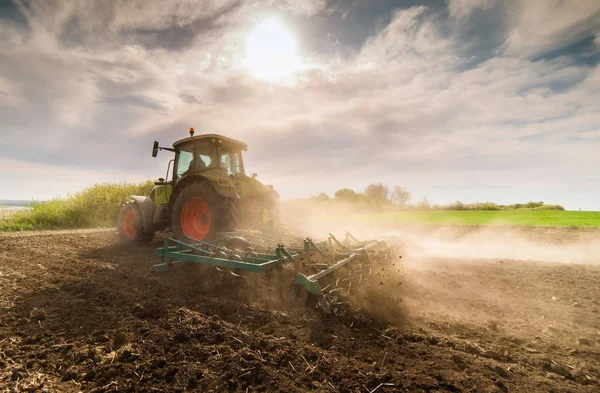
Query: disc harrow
{"type": "Point", "coordinates": [324, 271]}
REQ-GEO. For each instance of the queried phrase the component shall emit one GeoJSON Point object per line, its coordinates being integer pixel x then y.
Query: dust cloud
{"type": "Point", "coordinates": [526, 281]}
{"type": "Point", "coordinates": [566, 245]}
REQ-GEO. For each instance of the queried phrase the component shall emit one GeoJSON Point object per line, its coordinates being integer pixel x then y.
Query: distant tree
{"type": "Point", "coordinates": [424, 204]}
{"type": "Point", "coordinates": [458, 205]}
{"type": "Point", "coordinates": [361, 198]}
{"type": "Point", "coordinates": [345, 195]}
{"type": "Point", "coordinates": [377, 192]}
{"type": "Point", "coordinates": [400, 196]}
{"type": "Point", "coordinates": [322, 197]}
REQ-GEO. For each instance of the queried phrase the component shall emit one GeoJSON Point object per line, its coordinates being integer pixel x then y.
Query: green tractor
{"type": "Point", "coordinates": [208, 192]}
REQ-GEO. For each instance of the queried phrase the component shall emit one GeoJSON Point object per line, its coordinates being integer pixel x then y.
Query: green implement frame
{"type": "Point", "coordinates": [199, 252]}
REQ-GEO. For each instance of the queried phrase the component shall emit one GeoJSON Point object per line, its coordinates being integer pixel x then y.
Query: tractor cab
{"type": "Point", "coordinates": [208, 152]}
{"type": "Point", "coordinates": [214, 158]}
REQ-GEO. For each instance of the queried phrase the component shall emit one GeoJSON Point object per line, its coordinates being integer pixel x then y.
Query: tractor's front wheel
{"type": "Point", "coordinates": [130, 224]}
{"type": "Point", "coordinates": [199, 213]}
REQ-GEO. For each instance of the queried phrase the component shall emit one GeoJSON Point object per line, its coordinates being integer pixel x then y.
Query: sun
{"type": "Point", "coordinates": [271, 51]}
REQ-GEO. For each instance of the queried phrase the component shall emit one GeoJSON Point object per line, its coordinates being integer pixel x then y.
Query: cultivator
{"type": "Point", "coordinates": [324, 271]}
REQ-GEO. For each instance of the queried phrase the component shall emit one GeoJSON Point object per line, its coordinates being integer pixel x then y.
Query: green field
{"type": "Point", "coordinates": [488, 217]}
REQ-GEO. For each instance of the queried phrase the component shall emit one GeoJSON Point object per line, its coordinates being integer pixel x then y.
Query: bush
{"type": "Point", "coordinates": [377, 192]}
{"type": "Point", "coordinates": [550, 207]}
{"type": "Point", "coordinates": [345, 195]}
{"type": "Point", "coordinates": [322, 197]}
{"type": "Point", "coordinates": [458, 205]}
{"type": "Point", "coordinates": [485, 206]}
{"type": "Point", "coordinates": [92, 207]}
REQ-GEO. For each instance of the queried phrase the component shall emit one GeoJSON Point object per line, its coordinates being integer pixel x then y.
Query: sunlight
{"type": "Point", "coordinates": [271, 51]}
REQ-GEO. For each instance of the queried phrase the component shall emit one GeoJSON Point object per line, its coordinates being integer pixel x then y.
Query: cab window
{"type": "Point", "coordinates": [230, 161]}
{"type": "Point", "coordinates": [196, 157]}
{"type": "Point", "coordinates": [206, 154]}
{"type": "Point", "coordinates": [184, 160]}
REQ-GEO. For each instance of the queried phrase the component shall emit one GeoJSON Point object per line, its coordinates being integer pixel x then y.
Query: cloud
{"type": "Point", "coordinates": [90, 85]}
{"type": "Point", "coordinates": [541, 26]}
{"type": "Point", "coordinates": [527, 28]}
{"type": "Point", "coordinates": [463, 9]}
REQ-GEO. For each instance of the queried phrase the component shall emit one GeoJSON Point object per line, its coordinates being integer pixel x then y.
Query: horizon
{"type": "Point", "coordinates": [411, 203]}
{"type": "Point", "coordinates": [470, 100]}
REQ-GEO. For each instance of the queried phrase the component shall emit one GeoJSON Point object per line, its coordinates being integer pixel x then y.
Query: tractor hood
{"type": "Point", "coordinates": [249, 187]}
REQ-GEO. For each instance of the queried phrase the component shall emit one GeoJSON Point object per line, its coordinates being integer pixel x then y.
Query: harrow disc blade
{"type": "Point", "coordinates": [297, 295]}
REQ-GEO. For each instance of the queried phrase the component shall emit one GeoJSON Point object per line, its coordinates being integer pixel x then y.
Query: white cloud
{"type": "Point", "coordinates": [540, 26]}
{"type": "Point", "coordinates": [530, 28]}
{"type": "Point", "coordinates": [407, 107]}
{"type": "Point", "coordinates": [306, 7]}
{"type": "Point", "coordinates": [462, 9]}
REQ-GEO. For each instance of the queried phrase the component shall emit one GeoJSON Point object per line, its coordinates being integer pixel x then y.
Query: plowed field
{"type": "Point", "coordinates": [80, 312]}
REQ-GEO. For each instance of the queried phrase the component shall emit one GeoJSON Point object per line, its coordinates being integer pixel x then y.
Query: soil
{"type": "Point", "coordinates": [80, 312]}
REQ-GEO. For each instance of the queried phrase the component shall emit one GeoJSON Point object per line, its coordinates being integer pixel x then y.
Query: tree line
{"type": "Point", "coordinates": [374, 193]}
{"type": "Point", "coordinates": [381, 194]}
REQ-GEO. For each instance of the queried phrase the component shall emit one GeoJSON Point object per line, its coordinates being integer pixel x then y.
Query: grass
{"type": "Point", "coordinates": [7, 213]}
{"type": "Point", "coordinates": [96, 206]}
{"type": "Point", "coordinates": [488, 217]}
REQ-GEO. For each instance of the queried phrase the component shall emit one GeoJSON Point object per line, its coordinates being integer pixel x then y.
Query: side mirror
{"type": "Point", "coordinates": [155, 149]}
{"type": "Point", "coordinates": [254, 175]}
{"type": "Point", "coordinates": [160, 179]}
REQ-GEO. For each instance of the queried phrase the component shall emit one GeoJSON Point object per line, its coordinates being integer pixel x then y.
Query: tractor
{"type": "Point", "coordinates": [206, 191]}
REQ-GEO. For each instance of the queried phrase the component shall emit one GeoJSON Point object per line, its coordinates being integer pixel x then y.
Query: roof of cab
{"type": "Point", "coordinates": [214, 136]}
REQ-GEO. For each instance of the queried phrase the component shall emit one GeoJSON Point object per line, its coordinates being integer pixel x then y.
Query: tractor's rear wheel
{"type": "Point", "coordinates": [130, 224]}
{"type": "Point", "coordinates": [200, 213]}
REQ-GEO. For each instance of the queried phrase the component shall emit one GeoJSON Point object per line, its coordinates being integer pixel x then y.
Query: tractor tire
{"type": "Point", "coordinates": [199, 213]}
{"type": "Point", "coordinates": [130, 224]}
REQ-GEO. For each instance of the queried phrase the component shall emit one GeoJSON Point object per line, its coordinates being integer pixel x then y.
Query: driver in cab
{"type": "Point", "coordinates": [199, 163]}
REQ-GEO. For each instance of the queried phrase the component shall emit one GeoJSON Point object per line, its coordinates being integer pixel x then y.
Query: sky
{"type": "Point", "coordinates": [470, 100]}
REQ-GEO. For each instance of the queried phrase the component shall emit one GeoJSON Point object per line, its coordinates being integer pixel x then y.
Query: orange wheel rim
{"type": "Point", "coordinates": [196, 219]}
{"type": "Point", "coordinates": [129, 224]}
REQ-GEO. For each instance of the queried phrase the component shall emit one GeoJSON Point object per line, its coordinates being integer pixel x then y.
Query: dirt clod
{"type": "Point", "coordinates": [69, 375]}
{"type": "Point", "coordinates": [502, 386]}
{"type": "Point", "coordinates": [180, 337]}
{"type": "Point", "coordinates": [119, 340]}
{"type": "Point", "coordinates": [501, 372]}
{"type": "Point", "coordinates": [459, 361]}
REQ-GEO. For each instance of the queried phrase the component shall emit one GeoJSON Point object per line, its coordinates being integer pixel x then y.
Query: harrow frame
{"type": "Point", "coordinates": [215, 254]}
{"type": "Point", "coordinates": [192, 251]}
